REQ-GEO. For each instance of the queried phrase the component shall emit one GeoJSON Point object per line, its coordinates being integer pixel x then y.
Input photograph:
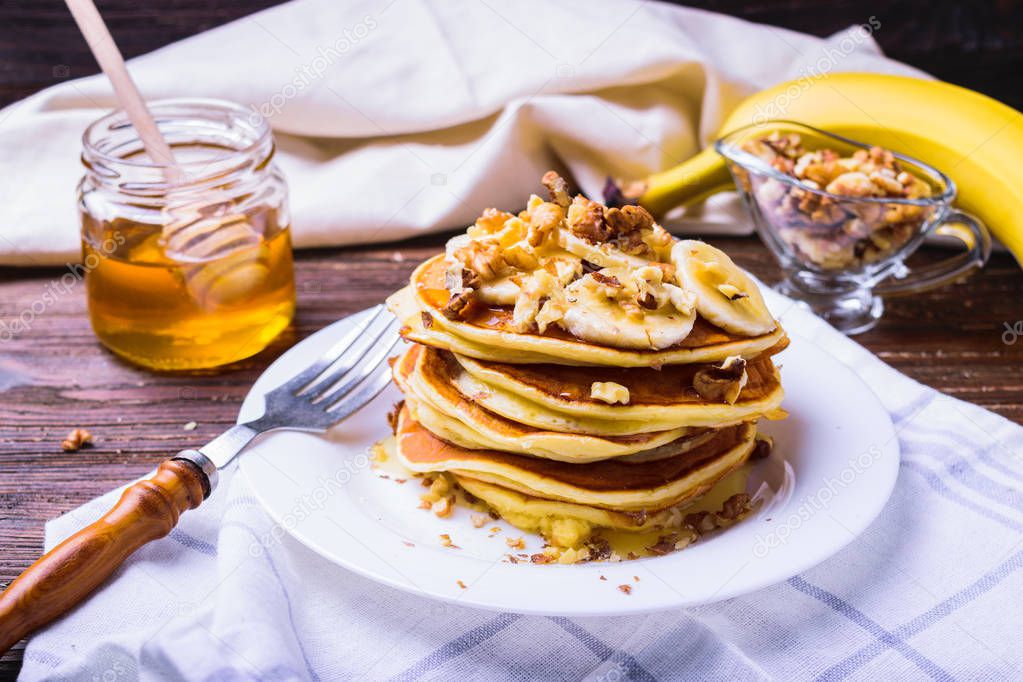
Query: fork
{"type": "Point", "coordinates": [345, 378]}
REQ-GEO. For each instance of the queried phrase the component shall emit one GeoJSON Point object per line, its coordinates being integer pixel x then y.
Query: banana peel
{"type": "Point", "coordinates": [976, 140]}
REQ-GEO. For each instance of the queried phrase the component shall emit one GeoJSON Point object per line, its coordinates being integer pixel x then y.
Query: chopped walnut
{"type": "Point", "coordinates": [479, 520]}
{"type": "Point", "coordinates": [427, 319]}
{"type": "Point", "coordinates": [541, 302]}
{"type": "Point", "coordinates": [762, 448]}
{"type": "Point", "coordinates": [606, 280]}
{"type": "Point", "coordinates": [481, 257]}
{"type": "Point", "coordinates": [460, 584]}
{"type": "Point", "coordinates": [491, 220]}
{"type": "Point", "coordinates": [609, 392]}
{"type": "Point", "coordinates": [515, 543]}
{"type": "Point", "coordinates": [586, 220]}
{"type": "Point", "coordinates": [521, 256]}
{"type": "Point", "coordinates": [664, 545]}
{"type": "Point", "coordinates": [459, 305]}
{"type": "Point", "coordinates": [557, 187]}
{"type": "Point", "coordinates": [735, 506]}
{"type": "Point", "coordinates": [854, 184]}
{"type": "Point", "coordinates": [75, 440]}
{"type": "Point", "coordinates": [445, 541]}
{"type": "Point", "coordinates": [722, 383]}
{"type": "Point", "coordinates": [627, 589]}
{"type": "Point", "coordinates": [458, 277]}
{"type": "Point", "coordinates": [628, 219]}
{"type": "Point", "coordinates": [544, 221]}
{"type": "Point", "coordinates": [700, 522]}
{"type": "Point", "coordinates": [443, 507]}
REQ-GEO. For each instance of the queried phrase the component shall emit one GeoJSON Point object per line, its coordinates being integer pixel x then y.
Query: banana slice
{"type": "Point", "coordinates": [602, 311]}
{"type": "Point", "coordinates": [725, 295]}
{"type": "Point", "coordinates": [501, 291]}
{"type": "Point", "coordinates": [601, 255]}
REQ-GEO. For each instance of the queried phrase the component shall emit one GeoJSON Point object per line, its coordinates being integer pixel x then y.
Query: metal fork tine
{"type": "Point", "coordinates": [304, 379]}
{"type": "Point", "coordinates": [367, 390]}
{"type": "Point", "coordinates": [351, 375]}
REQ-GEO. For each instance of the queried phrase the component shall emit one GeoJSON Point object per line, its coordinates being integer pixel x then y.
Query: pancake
{"type": "Point", "coordinates": [438, 371]}
{"type": "Point", "coordinates": [609, 484]}
{"type": "Point", "coordinates": [659, 394]}
{"type": "Point", "coordinates": [443, 409]}
{"type": "Point", "coordinates": [489, 328]}
{"type": "Point", "coordinates": [564, 524]}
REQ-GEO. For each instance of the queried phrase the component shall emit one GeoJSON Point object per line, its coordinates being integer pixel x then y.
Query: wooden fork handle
{"type": "Point", "coordinates": [68, 573]}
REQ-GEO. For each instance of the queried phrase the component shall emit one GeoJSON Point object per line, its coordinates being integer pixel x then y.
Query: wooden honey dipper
{"type": "Point", "coordinates": [192, 235]}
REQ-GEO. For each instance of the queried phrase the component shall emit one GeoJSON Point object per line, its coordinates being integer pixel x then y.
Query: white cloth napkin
{"type": "Point", "coordinates": [931, 590]}
{"type": "Point", "coordinates": [402, 116]}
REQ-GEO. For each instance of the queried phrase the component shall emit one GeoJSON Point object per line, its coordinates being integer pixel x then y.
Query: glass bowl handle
{"type": "Point", "coordinates": [963, 227]}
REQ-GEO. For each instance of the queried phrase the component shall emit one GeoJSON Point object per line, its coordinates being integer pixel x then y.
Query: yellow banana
{"type": "Point", "coordinates": [976, 140]}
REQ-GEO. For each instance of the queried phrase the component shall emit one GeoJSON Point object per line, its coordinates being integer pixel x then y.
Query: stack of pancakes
{"type": "Point", "coordinates": [563, 435]}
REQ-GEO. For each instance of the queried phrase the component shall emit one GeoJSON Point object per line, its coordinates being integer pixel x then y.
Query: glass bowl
{"type": "Point", "coordinates": [842, 250]}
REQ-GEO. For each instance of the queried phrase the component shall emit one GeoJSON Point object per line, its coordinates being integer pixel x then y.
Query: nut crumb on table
{"type": "Point", "coordinates": [76, 439]}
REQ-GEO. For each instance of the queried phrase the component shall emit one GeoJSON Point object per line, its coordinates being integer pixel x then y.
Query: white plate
{"type": "Point", "coordinates": [834, 465]}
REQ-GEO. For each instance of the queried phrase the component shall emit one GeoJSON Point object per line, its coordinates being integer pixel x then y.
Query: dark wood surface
{"type": "Point", "coordinates": [56, 376]}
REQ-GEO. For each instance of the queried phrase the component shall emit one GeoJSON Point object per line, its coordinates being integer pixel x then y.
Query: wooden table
{"type": "Point", "coordinates": [55, 376]}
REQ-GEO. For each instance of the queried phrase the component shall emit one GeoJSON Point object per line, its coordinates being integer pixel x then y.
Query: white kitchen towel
{"type": "Point", "coordinates": [932, 589]}
{"type": "Point", "coordinates": [396, 117]}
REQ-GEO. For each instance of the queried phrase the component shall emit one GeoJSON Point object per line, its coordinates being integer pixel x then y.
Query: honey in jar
{"type": "Point", "coordinates": [186, 267]}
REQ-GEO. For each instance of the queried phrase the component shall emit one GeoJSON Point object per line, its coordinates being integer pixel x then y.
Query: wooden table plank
{"type": "Point", "coordinates": [55, 376]}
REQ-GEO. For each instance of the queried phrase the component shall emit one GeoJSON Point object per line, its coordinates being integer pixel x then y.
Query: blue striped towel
{"type": "Point", "coordinates": [933, 589]}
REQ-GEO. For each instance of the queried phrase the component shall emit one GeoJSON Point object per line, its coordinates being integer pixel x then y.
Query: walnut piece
{"type": "Point", "coordinates": [443, 507]}
{"type": "Point", "coordinates": [735, 506]}
{"type": "Point", "coordinates": [724, 383]}
{"type": "Point", "coordinates": [544, 221]}
{"type": "Point", "coordinates": [557, 187]}
{"type": "Point", "coordinates": [586, 220]}
{"type": "Point", "coordinates": [457, 276]}
{"type": "Point", "coordinates": [459, 305]}
{"type": "Point", "coordinates": [481, 257]}
{"type": "Point", "coordinates": [515, 543]}
{"type": "Point", "coordinates": [628, 219]}
{"type": "Point", "coordinates": [609, 392]}
{"type": "Point", "coordinates": [762, 448]}
{"type": "Point", "coordinates": [75, 440]}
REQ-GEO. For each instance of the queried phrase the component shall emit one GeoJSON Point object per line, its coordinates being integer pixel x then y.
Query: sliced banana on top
{"type": "Point", "coordinates": [726, 296]}
{"type": "Point", "coordinates": [602, 309]}
{"type": "Point", "coordinates": [602, 255]}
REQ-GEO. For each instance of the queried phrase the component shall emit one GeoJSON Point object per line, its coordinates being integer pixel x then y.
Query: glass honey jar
{"type": "Point", "coordinates": [186, 266]}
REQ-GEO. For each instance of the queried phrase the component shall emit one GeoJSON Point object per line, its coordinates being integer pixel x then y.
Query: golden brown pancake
{"type": "Point", "coordinates": [489, 328]}
{"type": "Point", "coordinates": [567, 388]}
{"type": "Point", "coordinates": [441, 371]}
{"type": "Point", "coordinates": [611, 484]}
{"type": "Point", "coordinates": [471, 425]}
